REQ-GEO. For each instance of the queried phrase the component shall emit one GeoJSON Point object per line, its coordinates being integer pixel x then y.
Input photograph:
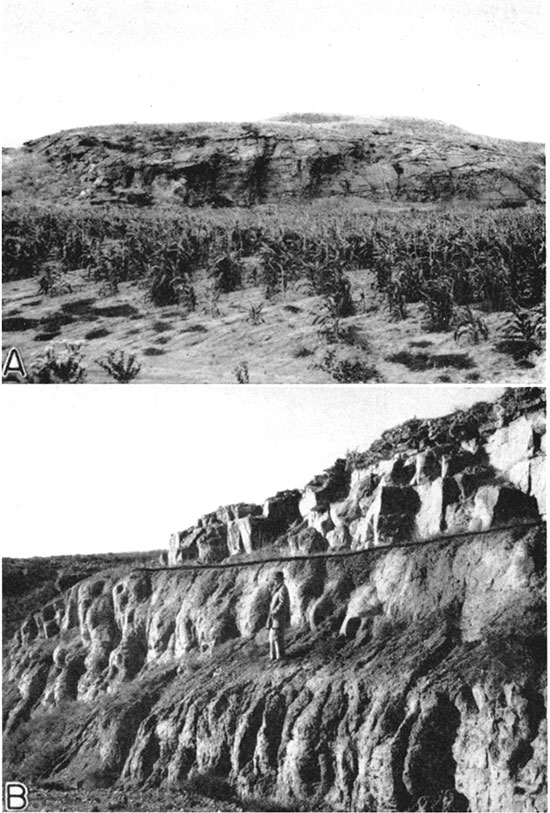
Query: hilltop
{"type": "Point", "coordinates": [415, 675]}
{"type": "Point", "coordinates": [298, 157]}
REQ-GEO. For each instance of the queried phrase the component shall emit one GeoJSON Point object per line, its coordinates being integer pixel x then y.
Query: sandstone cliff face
{"type": "Point", "coordinates": [414, 672]}
{"type": "Point", "coordinates": [389, 159]}
{"type": "Point", "coordinates": [444, 478]}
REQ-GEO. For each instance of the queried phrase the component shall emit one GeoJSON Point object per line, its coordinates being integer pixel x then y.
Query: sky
{"type": "Point", "coordinates": [477, 64]}
{"type": "Point", "coordinates": [108, 469]}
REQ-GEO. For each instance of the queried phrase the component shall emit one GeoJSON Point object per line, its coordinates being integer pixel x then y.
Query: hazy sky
{"type": "Point", "coordinates": [475, 63]}
{"type": "Point", "coordinates": [91, 468]}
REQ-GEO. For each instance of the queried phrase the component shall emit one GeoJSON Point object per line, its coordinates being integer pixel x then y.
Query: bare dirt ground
{"type": "Point", "coordinates": [285, 347]}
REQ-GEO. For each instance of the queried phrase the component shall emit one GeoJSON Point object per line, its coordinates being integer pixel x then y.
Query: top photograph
{"type": "Point", "coordinates": [340, 198]}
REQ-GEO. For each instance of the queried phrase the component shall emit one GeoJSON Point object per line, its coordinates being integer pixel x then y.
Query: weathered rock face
{"type": "Point", "coordinates": [235, 529]}
{"type": "Point", "coordinates": [409, 674]}
{"type": "Point", "coordinates": [451, 485]}
{"type": "Point", "coordinates": [415, 676]}
{"type": "Point", "coordinates": [387, 159]}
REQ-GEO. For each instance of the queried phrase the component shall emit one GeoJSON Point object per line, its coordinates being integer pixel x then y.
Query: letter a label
{"type": "Point", "coordinates": [14, 364]}
{"type": "Point", "coordinates": [16, 796]}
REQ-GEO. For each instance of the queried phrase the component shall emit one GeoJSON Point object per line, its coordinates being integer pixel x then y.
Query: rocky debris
{"type": "Point", "coordinates": [226, 165]}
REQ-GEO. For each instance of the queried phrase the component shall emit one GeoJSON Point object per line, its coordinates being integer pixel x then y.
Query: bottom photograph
{"type": "Point", "coordinates": [275, 599]}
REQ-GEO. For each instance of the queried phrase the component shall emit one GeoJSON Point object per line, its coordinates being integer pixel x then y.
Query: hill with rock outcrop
{"type": "Point", "coordinates": [294, 158]}
{"type": "Point", "coordinates": [415, 676]}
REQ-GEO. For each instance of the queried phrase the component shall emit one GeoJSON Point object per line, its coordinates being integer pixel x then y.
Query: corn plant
{"type": "Point", "coordinates": [396, 300]}
{"type": "Point", "coordinates": [255, 316]}
{"type": "Point", "coordinates": [164, 288]}
{"type": "Point", "coordinates": [226, 273]}
{"type": "Point", "coordinates": [524, 332]}
{"type": "Point", "coordinates": [438, 304]}
{"type": "Point", "coordinates": [467, 326]}
{"type": "Point", "coordinates": [490, 257]}
{"type": "Point", "coordinates": [213, 294]}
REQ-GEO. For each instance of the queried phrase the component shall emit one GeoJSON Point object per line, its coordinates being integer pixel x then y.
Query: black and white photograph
{"type": "Point", "coordinates": [323, 591]}
{"type": "Point", "coordinates": [324, 599]}
{"type": "Point", "coordinates": [279, 192]}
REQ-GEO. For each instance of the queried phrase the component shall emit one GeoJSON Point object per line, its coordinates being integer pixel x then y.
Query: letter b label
{"type": "Point", "coordinates": [16, 796]}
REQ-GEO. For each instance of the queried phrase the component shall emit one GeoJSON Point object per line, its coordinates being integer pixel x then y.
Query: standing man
{"type": "Point", "coordinates": [279, 616]}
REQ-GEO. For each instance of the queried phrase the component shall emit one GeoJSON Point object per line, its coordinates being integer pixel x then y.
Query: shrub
{"type": "Point", "coordinates": [42, 763]}
{"type": "Point", "coordinates": [52, 281]}
{"type": "Point", "coordinates": [241, 373]}
{"type": "Point", "coordinates": [210, 785]}
{"type": "Point", "coordinates": [121, 366]}
{"type": "Point", "coordinates": [348, 370]}
{"type": "Point", "coordinates": [58, 365]}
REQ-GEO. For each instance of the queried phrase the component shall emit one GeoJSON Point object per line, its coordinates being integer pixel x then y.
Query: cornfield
{"type": "Point", "coordinates": [494, 259]}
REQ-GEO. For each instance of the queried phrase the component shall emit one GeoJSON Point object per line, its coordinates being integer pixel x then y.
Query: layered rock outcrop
{"type": "Point", "coordinates": [383, 159]}
{"type": "Point", "coordinates": [416, 672]}
{"type": "Point", "coordinates": [453, 476]}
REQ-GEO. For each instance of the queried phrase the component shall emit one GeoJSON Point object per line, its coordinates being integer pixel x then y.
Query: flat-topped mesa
{"type": "Point", "coordinates": [268, 162]}
{"type": "Point", "coordinates": [465, 472]}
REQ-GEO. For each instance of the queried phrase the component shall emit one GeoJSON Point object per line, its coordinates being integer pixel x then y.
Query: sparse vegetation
{"type": "Point", "coordinates": [348, 370]}
{"type": "Point", "coordinates": [58, 364]}
{"type": "Point", "coordinates": [121, 366]}
{"type": "Point", "coordinates": [255, 316]}
{"type": "Point", "coordinates": [468, 327]}
{"type": "Point", "coordinates": [166, 288]}
{"type": "Point", "coordinates": [241, 373]}
{"type": "Point", "coordinates": [524, 332]}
